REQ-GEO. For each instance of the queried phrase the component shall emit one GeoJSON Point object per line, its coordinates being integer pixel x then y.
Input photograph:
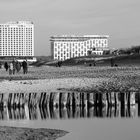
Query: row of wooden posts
{"type": "Point", "coordinates": [33, 113]}
{"type": "Point", "coordinates": [67, 99]}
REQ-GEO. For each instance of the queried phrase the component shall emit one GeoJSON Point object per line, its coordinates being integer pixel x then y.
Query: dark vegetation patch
{"type": "Point", "coordinates": [16, 133]}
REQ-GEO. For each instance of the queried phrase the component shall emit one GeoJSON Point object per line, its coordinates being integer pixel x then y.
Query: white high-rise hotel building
{"type": "Point", "coordinates": [17, 39]}
{"type": "Point", "coordinates": [65, 47]}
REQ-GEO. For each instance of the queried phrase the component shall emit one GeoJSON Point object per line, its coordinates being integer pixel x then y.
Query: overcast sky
{"type": "Point", "coordinates": [120, 19]}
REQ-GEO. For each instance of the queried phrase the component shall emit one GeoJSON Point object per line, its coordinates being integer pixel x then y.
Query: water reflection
{"type": "Point", "coordinates": [44, 113]}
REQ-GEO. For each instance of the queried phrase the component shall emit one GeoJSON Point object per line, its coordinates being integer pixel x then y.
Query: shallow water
{"type": "Point", "coordinates": [99, 123]}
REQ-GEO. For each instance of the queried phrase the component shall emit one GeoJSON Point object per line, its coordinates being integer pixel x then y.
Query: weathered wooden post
{"type": "Point", "coordinates": [41, 98]}
{"type": "Point", "coordinates": [95, 99]}
{"type": "Point", "coordinates": [108, 114]}
{"type": "Point", "coordinates": [44, 99]}
{"type": "Point", "coordinates": [56, 113]}
{"type": "Point", "coordinates": [51, 101]}
{"type": "Point", "coordinates": [117, 109]}
{"type": "Point", "coordinates": [77, 97]}
{"type": "Point", "coordinates": [35, 99]}
{"type": "Point", "coordinates": [83, 99]}
{"type": "Point", "coordinates": [112, 95]}
{"type": "Point", "coordinates": [88, 104]}
{"type": "Point", "coordinates": [33, 113]}
{"type": "Point", "coordinates": [63, 113]}
{"type": "Point", "coordinates": [99, 102]}
{"type": "Point", "coordinates": [138, 94]}
{"type": "Point", "coordinates": [9, 100]}
{"type": "Point", "coordinates": [17, 100]}
{"type": "Point", "coordinates": [131, 96]}
{"type": "Point", "coordinates": [80, 99]}
{"type": "Point", "coordinates": [1, 100]}
{"type": "Point", "coordinates": [56, 99]}
{"type": "Point", "coordinates": [63, 99]}
{"type": "Point", "coordinates": [90, 112]}
{"type": "Point", "coordinates": [47, 99]}
{"type": "Point", "coordinates": [108, 95]}
{"type": "Point", "coordinates": [83, 111]}
{"type": "Point", "coordinates": [132, 111]}
{"type": "Point", "coordinates": [73, 101]}
{"type": "Point", "coordinates": [108, 98]}
{"type": "Point", "coordinates": [22, 113]}
{"type": "Point", "coordinates": [77, 112]}
{"type": "Point", "coordinates": [112, 98]}
{"type": "Point", "coordinates": [69, 111]}
{"type": "Point", "coordinates": [14, 101]}
{"type": "Point", "coordinates": [90, 101]}
{"type": "Point", "coordinates": [69, 100]}
{"type": "Point", "coordinates": [104, 111]}
{"type": "Point", "coordinates": [104, 99]}
{"type": "Point", "coordinates": [44, 112]}
{"type": "Point", "coordinates": [116, 98]}
{"type": "Point", "coordinates": [30, 100]}
{"type": "Point", "coordinates": [22, 100]}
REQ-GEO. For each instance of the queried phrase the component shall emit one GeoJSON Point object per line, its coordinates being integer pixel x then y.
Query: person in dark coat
{"type": "Point", "coordinates": [14, 66]}
{"type": "Point", "coordinates": [25, 67]}
{"type": "Point", "coordinates": [112, 62]}
{"type": "Point", "coordinates": [6, 66]}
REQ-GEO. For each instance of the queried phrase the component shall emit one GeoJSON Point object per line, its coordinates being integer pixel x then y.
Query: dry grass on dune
{"type": "Point", "coordinates": [74, 78]}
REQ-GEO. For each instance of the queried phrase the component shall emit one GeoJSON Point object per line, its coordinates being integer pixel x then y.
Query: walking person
{"type": "Point", "coordinates": [112, 62]}
{"type": "Point", "coordinates": [18, 66]}
{"type": "Point", "coordinates": [14, 66]}
{"type": "Point", "coordinates": [11, 68]}
{"type": "Point", "coordinates": [25, 67]}
{"type": "Point", "coordinates": [6, 66]}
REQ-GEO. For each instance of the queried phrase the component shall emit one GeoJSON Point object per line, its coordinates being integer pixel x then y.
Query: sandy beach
{"type": "Point", "coordinates": [50, 79]}
{"type": "Point", "coordinates": [47, 85]}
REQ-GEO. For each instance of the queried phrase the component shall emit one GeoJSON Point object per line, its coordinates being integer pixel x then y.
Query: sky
{"type": "Point", "coordinates": [120, 19]}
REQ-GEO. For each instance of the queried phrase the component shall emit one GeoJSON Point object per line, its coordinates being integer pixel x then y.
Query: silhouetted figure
{"type": "Point", "coordinates": [6, 66]}
{"type": "Point", "coordinates": [10, 68]}
{"type": "Point", "coordinates": [25, 67]}
{"type": "Point", "coordinates": [14, 66]}
{"type": "Point", "coordinates": [90, 64]}
{"type": "Point", "coordinates": [18, 66]}
{"type": "Point", "coordinates": [59, 63]}
{"type": "Point", "coordinates": [112, 62]}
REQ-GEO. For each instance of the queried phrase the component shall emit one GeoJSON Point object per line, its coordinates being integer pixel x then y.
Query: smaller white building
{"type": "Point", "coordinates": [66, 47]}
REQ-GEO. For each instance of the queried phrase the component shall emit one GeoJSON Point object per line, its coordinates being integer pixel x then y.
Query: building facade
{"type": "Point", "coordinates": [17, 39]}
{"type": "Point", "coordinates": [66, 47]}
